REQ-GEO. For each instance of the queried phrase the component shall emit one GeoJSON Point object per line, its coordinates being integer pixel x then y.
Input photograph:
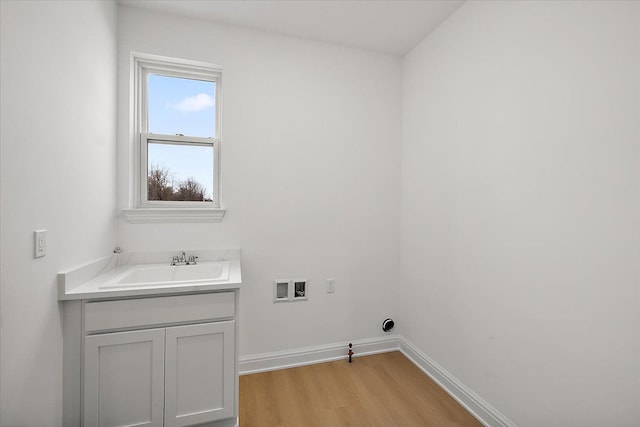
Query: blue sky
{"type": "Point", "coordinates": [182, 106]}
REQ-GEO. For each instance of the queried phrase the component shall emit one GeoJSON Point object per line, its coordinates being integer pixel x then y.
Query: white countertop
{"type": "Point", "coordinates": [88, 281]}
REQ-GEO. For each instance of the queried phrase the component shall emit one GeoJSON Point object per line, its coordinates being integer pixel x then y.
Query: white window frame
{"type": "Point", "coordinates": [145, 139]}
{"type": "Point", "coordinates": [164, 210]}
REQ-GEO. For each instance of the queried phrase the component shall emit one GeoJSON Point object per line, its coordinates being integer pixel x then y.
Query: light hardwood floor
{"type": "Point", "coordinates": [379, 390]}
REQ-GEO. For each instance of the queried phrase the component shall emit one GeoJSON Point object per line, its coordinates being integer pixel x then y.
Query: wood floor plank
{"type": "Point", "coordinates": [374, 391]}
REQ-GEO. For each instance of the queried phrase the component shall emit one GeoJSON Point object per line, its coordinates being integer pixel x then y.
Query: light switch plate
{"type": "Point", "coordinates": [331, 286]}
{"type": "Point", "coordinates": [40, 243]}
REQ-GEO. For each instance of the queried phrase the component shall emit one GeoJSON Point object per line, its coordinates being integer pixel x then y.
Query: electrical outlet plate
{"type": "Point", "coordinates": [331, 286]}
{"type": "Point", "coordinates": [40, 243]}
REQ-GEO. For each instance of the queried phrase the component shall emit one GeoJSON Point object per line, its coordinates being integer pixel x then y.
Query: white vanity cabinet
{"type": "Point", "coordinates": [198, 385]}
{"type": "Point", "coordinates": [124, 379]}
{"type": "Point", "coordinates": [153, 361]}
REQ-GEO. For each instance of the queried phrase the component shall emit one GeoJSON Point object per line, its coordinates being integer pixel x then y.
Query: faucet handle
{"type": "Point", "coordinates": [192, 259]}
{"type": "Point", "coordinates": [174, 260]}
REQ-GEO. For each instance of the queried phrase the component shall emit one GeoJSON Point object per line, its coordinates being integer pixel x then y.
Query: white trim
{"type": "Point", "coordinates": [141, 65]}
{"type": "Point", "coordinates": [264, 362]}
{"type": "Point", "coordinates": [192, 67]}
{"type": "Point", "coordinates": [145, 138]}
{"type": "Point", "coordinates": [158, 215]}
{"type": "Point", "coordinates": [474, 404]}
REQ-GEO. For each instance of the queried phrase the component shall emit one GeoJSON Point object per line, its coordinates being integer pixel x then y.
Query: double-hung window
{"type": "Point", "coordinates": [176, 138]}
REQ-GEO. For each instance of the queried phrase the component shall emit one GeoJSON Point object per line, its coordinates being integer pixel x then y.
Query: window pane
{"type": "Point", "coordinates": [179, 172]}
{"type": "Point", "coordinates": [180, 106]}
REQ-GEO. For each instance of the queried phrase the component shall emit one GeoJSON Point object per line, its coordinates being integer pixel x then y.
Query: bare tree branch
{"type": "Point", "coordinates": [160, 187]}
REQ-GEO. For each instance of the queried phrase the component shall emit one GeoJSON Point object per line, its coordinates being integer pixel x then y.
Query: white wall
{"type": "Point", "coordinates": [58, 80]}
{"type": "Point", "coordinates": [520, 207]}
{"type": "Point", "coordinates": [310, 175]}
{"type": "Point", "coordinates": [520, 193]}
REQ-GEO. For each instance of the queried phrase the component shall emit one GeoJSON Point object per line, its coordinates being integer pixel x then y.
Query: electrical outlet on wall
{"type": "Point", "coordinates": [40, 243]}
{"type": "Point", "coordinates": [331, 286]}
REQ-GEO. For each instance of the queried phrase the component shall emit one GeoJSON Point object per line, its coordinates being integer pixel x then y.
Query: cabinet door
{"type": "Point", "coordinates": [124, 379]}
{"type": "Point", "coordinates": [199, 373]}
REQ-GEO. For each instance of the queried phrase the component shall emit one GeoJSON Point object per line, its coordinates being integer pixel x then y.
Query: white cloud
{"type": "Point", "coordinates": [192, 104]}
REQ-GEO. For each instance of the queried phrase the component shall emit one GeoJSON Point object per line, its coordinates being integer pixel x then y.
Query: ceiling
{"type": "Point", "coordinates": [389, 26]}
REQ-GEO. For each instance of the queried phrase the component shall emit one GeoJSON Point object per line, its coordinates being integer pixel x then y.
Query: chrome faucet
{"type": "Point", "coordinates": [183, 259]}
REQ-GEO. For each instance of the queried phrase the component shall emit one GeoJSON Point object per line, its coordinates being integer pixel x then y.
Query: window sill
{"type": "Point", "coordinates": [159, 215]}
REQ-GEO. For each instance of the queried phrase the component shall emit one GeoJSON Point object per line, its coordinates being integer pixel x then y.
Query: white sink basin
{"type": "Point", "coordinates": [160, 274]}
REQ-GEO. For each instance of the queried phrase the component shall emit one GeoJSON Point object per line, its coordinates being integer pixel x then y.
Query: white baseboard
{"type": "Point", "coordinates": [319, 354]}
{"type": "Point", "coordinates": [479, 408]}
